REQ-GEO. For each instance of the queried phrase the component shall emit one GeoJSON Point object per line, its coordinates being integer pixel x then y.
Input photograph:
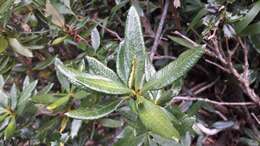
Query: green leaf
{"type": "Point", "coordinates": [5, 10]}
{"type": "Point", "coordinates": [174, 70]}
{"type": "Point", "coordinates": [197, 19]}
{"type": "Point", "coordinates": [94, 82]}
{"type": "Point", "coordinates": [98, 68]}
{"type": "Point", "coordinates": [96, 112]}
{"type": "Point", "coordinates": [44, 98]}
{"type": "Point", "coordinates": [44, 64]}
{"type": "Point", "coordinates": [255, 40]}
{"type": "Point", "coordinates": [19, 48]}
{"type": "Point", "coordinates": [102, 84]}
{"type": "Point", "coordinates": [122, 64]}
{"type": "Point", "coordinates": [250, 16]}
{"type": "Point", "coordinates": [59, 40]}
{"type": "Point", "coordinates": [129, 137]}
{"type": "Point", "coordinates": [25, 96]}
{"type": "Point", "coordinates": [3, 44]}
{"type": "Point", "coordinates": [10, 129]}
{"type": "Point", "coordinates": [110, 123]}
{"type": "Point", "coordinates": [252, 29]}
{"type": "Point", "coordinates": [134, 45]}
{"type": "Point", "coordinates": [156, 119]}
{"type": "Point", "coordinates": [59, 102]}
{"type": "Point", "coordinates": [182, 42]}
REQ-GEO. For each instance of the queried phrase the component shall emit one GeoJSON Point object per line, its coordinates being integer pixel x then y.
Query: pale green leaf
{"type": "Point", "coordinates": [94, 82]}
{"type": "Point", "coordinates": [75, 126]}
{"type": "Point", "coordinates": [102, 84]}
{"type": "Point", "coordinates": [59, 40]}
{"type": "Point", "coordinates": [156, 119]}
{"type": "Point", "coordinates": [111, 123]}
{"type": "Point", "coordinates": [174, 70]}
{"type": "Point", "coordinates": [96, 112]}
{"type": "Point", "coordinates": [95, 39]}
{"type": "Point", "coordinates": [98, 68]}
{"type": "Point", "coordinates": [19, 48]}
{"type": "Point", "coordinates": [122, 64]}
{"type": "Point", "coordinates": [134, 45]}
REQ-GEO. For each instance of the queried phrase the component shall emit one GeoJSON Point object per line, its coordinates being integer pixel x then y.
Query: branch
{"type": "Point", "coordinates": [188, 98]}
{"type": "Point", "coordinates": [159, 30]}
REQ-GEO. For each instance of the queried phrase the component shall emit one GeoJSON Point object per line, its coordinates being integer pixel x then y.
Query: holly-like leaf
{"type": "Point", "coordinates": [156, 119]}
{"type": "Point", "coordinates": [96, 112]}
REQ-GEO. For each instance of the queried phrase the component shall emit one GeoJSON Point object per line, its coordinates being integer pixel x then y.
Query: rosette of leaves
{"type": "Point", "coordinates": [135, 81]}
{"type": "Point", "coordinates": [12, 105]}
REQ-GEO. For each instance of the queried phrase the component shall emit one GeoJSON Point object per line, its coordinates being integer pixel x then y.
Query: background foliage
{"type": "Point", "coordinates": [215, 103]}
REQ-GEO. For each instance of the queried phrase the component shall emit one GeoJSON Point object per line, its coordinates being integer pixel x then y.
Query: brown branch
{"type": "Point", "coordinates": [188, 98]}
{"type": "Point", "coordinates": [159, 30]}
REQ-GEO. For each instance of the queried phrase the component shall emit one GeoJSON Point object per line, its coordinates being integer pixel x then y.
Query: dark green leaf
{"type": "Point", "coordinates": [156, 119]}
{"type": "Point", "coordinates": [241, 25]}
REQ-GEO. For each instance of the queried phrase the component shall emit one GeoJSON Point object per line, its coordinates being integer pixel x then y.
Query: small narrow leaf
{"type": "Point", "coordinates": [10, 129]}
{"type": "Point", "coordinates": [95, 39]}
{"type": "Point", "coordinates": [59, 102]}
{"type": "Point", "coordinates": [3, 44]}
{"type": "Point", "coordinates": [96, 112]}
{"type": "Point", "coordinates": [19, 48]}
{"type": "Point", "coordinates": [59, 40]}
{"type": "Point", "coordinates": [75, 126]}
{"type": "Point", "coordinates": [44, 64]}
{"type": "Point", "coordinates": [156, 119]}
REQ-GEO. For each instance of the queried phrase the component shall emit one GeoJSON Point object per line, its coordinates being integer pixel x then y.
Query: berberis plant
{"type": "Point", "coordinates": [136, 82]}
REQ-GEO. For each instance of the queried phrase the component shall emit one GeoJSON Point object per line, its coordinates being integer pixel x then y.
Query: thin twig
{"type": "Point", "coordinates": [159, 30]}
{"type": "Point", "coordinates": [188, 98]}
{"type": "Point", "coordinates": [164, 57]}
{"type": "Point", "coordinates": [206, 87]}
{"type": "Point", "coordinates": [255, 117]}
{"type": "Point", "coordinates": [217, 65]}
